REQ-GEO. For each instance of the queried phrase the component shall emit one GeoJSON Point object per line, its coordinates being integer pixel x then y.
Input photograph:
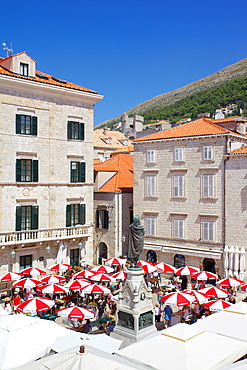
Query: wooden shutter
{"type": "Point", "coordinates": [35, 170]}
{"type": "Point", "coordinates": [35, 218]}
{"type": "Point", "coordinates": [97, 217]}
{"type": "Point", "coordinates": [18, 123]}
{"type": "Point", "coordinates": [82, 174]}
{"type": "Point", "coordinates": [82, 214]}
{"type": "Point", "coordinates": [69, 130]}
{"type": "Point", "coordinates": [18, 218]}
{"type": "Point", "coordinates": [34, 122]}
{"type": "Point", "coordinates": [81, 131]}
{"type": "Point", "coordinates": [106, 219]}
{"type": "Point", "coordinates": [68, 215]}
{"type": "Point", "coordinates": [18, 170]}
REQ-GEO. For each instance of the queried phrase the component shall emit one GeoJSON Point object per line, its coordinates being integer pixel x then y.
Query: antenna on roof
{"type": "Point", "coordinates": [8, 50]}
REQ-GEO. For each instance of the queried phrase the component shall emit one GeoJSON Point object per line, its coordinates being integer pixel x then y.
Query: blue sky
{"type": "Point", "coordinates": [131, 50]}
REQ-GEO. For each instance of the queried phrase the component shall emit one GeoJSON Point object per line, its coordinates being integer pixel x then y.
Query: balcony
{"type": "Point", "coordinates": [42, 235]}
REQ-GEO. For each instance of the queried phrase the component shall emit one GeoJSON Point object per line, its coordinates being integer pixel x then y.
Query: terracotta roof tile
{"type": "Point", "coordinates": [125, 149]}
{"type": "Point", "coordinates": [242, 150]}
{"type": "Point", "coordinates": [228, 119]}
{"type": "Point", "coordinates": [117, 139]}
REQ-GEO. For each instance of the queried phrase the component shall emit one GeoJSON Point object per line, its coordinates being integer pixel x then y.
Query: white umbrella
{"type": "Point", "coordinates": [226, 260]}
{"type": "Point", "coordinates": [231, 258]}
{"type": "Point", "coordinates": [62, 253]}
{"type": "Point", "coordinates": [236, 262]}
{"type": "Point", "coordinates": [242, 264]}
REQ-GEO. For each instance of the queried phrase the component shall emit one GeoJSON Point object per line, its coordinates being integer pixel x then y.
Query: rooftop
{"type": "Point", "coordinates": [110, 139]}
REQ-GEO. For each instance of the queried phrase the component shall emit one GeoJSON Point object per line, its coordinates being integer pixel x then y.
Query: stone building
{"type": "Point", "coordinates": [113, 204]}
{"type": "Point", "coordinates": [46, 166]}
{"type": "Point", "coordinates": [185, 190]}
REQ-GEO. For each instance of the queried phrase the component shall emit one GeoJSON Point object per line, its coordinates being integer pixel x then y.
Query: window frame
{"type": "Point", "coordinates": [75, 214]}
{"type": "Point", "coordinates": [151, 156]}
{"type": "Point", "coordinates": [78, 175]}
{"type": "Point", "coordinates": [26, 261]}
{"type": "Point", "coordinates": [74, 256]}
{"type": "Point", "coordinates": [206, 152]}
{"type": "Point", "coordinates": [176, 228]}
{"type": "Point", "coordinates": [24, 69]}
{"type": "Point", "coordinates": [179, 154]}
{"type": "Point", "coordinates": [178, 189]}
{"type": "Point", "coordinates": [151, 229]}
{"type": "Point", "coordinates": [27, 170]}
{"type": "Point", "coordinates": [151, 186]}
{"type": "Point", "coordinates": [75, 130]}
{"type": "Point", "coordinates": [212, 224]}
{"type": "Point", "coordinates": [102, 218]}
{"type": "Point", "coordinates": [23, 127]}
{"type": "Point", "coordinates": [208, 190]}
{"type": "Point", "coordinates": [27, 217]}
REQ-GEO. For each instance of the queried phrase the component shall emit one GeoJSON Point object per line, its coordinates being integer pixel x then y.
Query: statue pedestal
{"type": "Point", "coordinates": [135, 314]}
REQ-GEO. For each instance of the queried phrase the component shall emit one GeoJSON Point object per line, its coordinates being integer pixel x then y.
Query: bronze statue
{"type": "Point", "coordinates": [136, 239]}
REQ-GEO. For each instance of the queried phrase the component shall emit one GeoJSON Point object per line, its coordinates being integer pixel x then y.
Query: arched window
{"type": "Point", "coordinates": [179, 260]}
{"type": "Point", "coordinates": [209, 265]}
{"type": "Point", "coordinates": [102, 252]}
{"type": "Point", "coordinates": [151, 256]}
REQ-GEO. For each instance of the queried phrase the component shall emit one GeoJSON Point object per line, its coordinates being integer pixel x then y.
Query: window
{"type": "Point", "coordinates": [77, 171]}
{"type": "Point", "coordinates": [150, 185]}
{"type": "Point", "coordinates": [75, 130]}
{"type": "Point", "coordinates": [178, 228]}
{"type": "Point", "coordinates": [25, 262]}
{"type": "Point", "coordinates": [179, 260]}
{"type": "Point", "coordinates": [208, 231]}
{"type": "Point", "coordinates": [178, 186]}
{"type": "Point", "coordinates": [208, 186]}
{"type": "Point", "coordinates": [27, 218]}
{"type": "Point", "coordinates": [150, 156]}
{"type": "Point", "coordinates": [151, 226]}
{"type": "Point", "coordinates": [75, 257]}
{"type": "Point", "coordinates": [178, 154]}
{"type": "Point", "coordinates": [75, 214]}
{"type": "Point", "coordinates": [24, 69]}
{"type": "Point", "coordinates": [26, 170]}
{"type": "Point", "coordinates": [207, 152]}
{"type": "Point", "coordinates": [26, 125]}
{"type": "Point", "coordinates": [102, 218]}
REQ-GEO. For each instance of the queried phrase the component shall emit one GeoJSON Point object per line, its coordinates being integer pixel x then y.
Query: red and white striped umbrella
{"type": "Point", "coordinates": [205, 275]}
{"type": "Point", "coordinates": [33, 271]}
{"type": "Point", "coordinates": [177, 299]}
{"type": "Point", "coordinates": [10, 276]}
{"type": "Point", "coordinates": [147, 267]}
{"type": "Point", "coordinates": [228, 282]}
{"type": "Point", "coordinates": [244, 287]}
{"type": "Point", "coordinates": [52, 289]}
{"type": "Point", "coordinates": [75, 312]}
{"type": "Point", "coordinates": [95, 289]}
{"type": "Point", "coordinates": [120, 275]}
{"type": "Point", "coordinates": [165, 268]}
{"type": "Point", "coordinates": [102, 278]}
{"type": "Point", "coordinates": [187, 270]}
{"type": "Point", "coordinates": [213, 292]}
{"type": "Point", "coordinates": [36, 305]}
{"type": "Point", "coordinates": [26, 283]}
{"type": "Point", "coordinates": [115, 261]}
{"type": "Point", "coordinates": [60, 267]}
{"type": "Point", "coordinates": [77, 284]}
{"type": "Point", "coordinates": [53, 279]}
{"type": "Point", "coordinates": [103, 269]}
{"type": "Point", "coordinates": [199, 298]}
{"type": "Point", "coordinates": [86, 274]}
{"type": "Point", "coordinates": [217, 305]}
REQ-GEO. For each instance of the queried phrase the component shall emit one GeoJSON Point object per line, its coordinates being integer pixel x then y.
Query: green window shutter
{"type": "Point", "coordinates": [82, 214]}
{"type": "Point", "coordinates": [35, 218]}
{"type": "Point", "coordinates": [97, 218]}
{"type": "Point", "coordinates": [18, 123]}
{"type": "Point", "coordinates": [18, 218]}
{"type": "Point", "coordinates": [69, 130]}
{"type": "Point", "coordinates": [34, 125]}
{"type": "Point", "coordinates": [18, 170]}
{"type": "Point", "coordinates": [106, 219]}
{"type": "Point", "coordinates": [68, 215]}
{"type": "Point", "coordinates": [81, 133]}
{"type": "Point", "coordinates": [35, 170]}
{"type": "Point", "coordinates": [82, 172]}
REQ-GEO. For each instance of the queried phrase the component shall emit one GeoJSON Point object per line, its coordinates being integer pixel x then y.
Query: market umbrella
{"type": "Point", "coordinates": [115, 261]}
{"type": "Point", "coordinates": [217, 305]}
{"type": "Point", "coordinates": [95, 289]}
{"type": "Point", "coordinates": [33, 271]}
{"type": "Point", "coordinates": [10, 276]}
{"type": "Point", "coordinates": [53, 279]}
{"type": "Point", "coordinates": [75, 312]}
{"type": "Point", "coordinates": [231, 259]}
{"type": "Point", "coordinates": [60, 267]}
{"type": "Point", "coordinates": [228, 282]}
{"type": "Point", "coordinates": [86, 274]}
{"type": "Point", "coordinates": [148, 267]}
{"type": "Point", "coordinates": [187, 270]}
{"type": "Point", "coordinates": [103, 269]}
{"type": "Point", "coordinates": [165, 268]}
{"type": "Point", "coordinates": [77, 284]}
{"type": "Point", "coordinates": [204, 275]}
{"type": "Point", "coordinates": [102, 278]}
{"type": "Point", "coordinates": [242, 264]}
{"type": "Point", "coordinates": [37, 304]}
{"type": "Point", "coordinates": [236, 262]}
{"type": "Point", "coordinates": [52, 289]}
{"type": "Point", "coordinates": [199, 298]}
{"type": "Point", "coordinates": [26, 283]}
{"type": "Point", "coordinates": [213, 292]}
{"type": "Point", "coordinates": [244, 287]}
{"type": "Point", "coordinates": [120, 275]}
{"type": "Point", "coordinates": [177, 299]}
{"type": "Point", "coordinates": [226, 260]}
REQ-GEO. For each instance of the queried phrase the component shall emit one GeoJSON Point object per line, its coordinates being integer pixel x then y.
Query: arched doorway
{"type": "Point", "coordinates": [151, 256]}
{"type": "Point", "coordinates": [179, 260]}
{"type": "Point", "coordinates": [209, 265]}
{"type": "Point", "coordinates": [102, 252]}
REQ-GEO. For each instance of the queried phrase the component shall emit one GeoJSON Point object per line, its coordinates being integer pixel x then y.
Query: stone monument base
{"type": "Point", "coordinates": [128, 338]}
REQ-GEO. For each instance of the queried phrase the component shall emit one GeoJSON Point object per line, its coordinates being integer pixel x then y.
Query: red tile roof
{"type": "Point", "coordinates": [122, 180]}
{"type": "Point", "coordinates": [200, 127]}
{"type": "Point", "coordinates": [242, 150]}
